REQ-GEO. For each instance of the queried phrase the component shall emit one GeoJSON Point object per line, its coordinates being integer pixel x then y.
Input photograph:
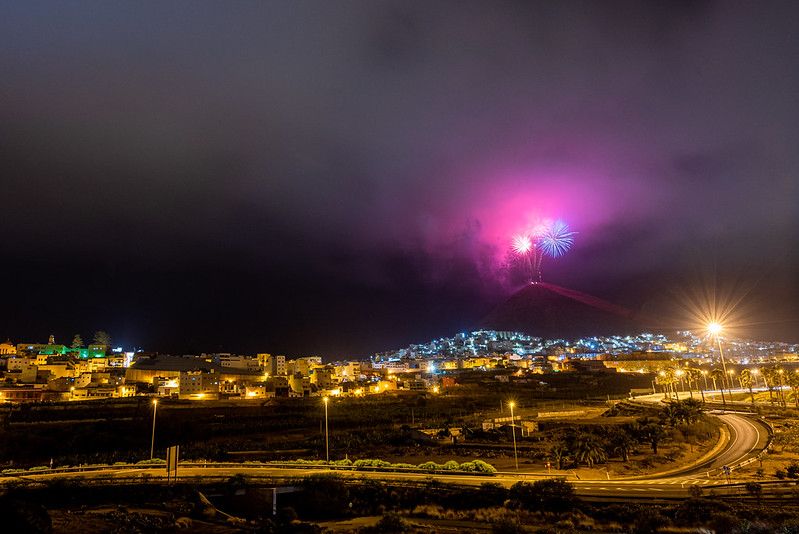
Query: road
{"type": "Point", "coordinates": [747, 438]}
{"type": "Point", "coordinates": [672, 487]}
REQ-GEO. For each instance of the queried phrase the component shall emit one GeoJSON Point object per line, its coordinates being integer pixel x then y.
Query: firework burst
{"type": "Point", "coordinates": [522, 244]}
{"type": "Point", "coordinates": [546, 238]}
{"type": "Point", "coordinates": [556, 239]}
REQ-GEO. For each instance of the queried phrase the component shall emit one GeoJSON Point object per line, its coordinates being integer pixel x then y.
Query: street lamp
{"type": "Point", "coordinates": [152, 441]}
{"type": "Point", "coordinates": [327, 440]}
{"type": "Point", "coordinates": [715, 329]}
{"type": "Point", "coordinates": [511, 404]}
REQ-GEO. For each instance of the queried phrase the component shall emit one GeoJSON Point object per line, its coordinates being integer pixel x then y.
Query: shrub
{"type": "Point", "coordinates": [483, 467]}
{"type": "Point", "coordinates": [151, 461]}
{"type": "Point", "coordinates": [371, 463]}
{"type": "Point", "coordinates": [649, 521]}
{"type": "Point", "coordinates": [390, 523]}
{"type": "Point", "coordinates": [429, 466]}
{"type": "Point", "coordinates": [553, 494]}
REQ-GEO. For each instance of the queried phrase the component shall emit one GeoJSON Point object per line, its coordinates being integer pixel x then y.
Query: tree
{"type": "Point", "coordinates": [101, 337]}
{"type": "Point", "coordinates": [652, 433]}
{"type": "Point", "coordinates": [589, 449]}
{"type": "Point", "coordinates": [793, 381]}
{"type": "Point", "coordinates": [77, 342]}
{"type": "Point", "coordinates": [686, 411]}
{"type": "Point", "coordinates": [747, 380]}
{"type": "Point", "coordinates": [559, 452]}
{"type": "Point", "coordinates": [694, 375]}
{"type": "Point", "coordinates": [718, 374]}
{"type": "Point", "coordinates": [667, 379]}
{"type": "Point", "coordinates": [622, 443]}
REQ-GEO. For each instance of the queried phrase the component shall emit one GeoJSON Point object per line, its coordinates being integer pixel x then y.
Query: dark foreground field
{"type": "Point", "coordinates": [330, 504]}
{"type": "Point", "coordinates": [119, 430]}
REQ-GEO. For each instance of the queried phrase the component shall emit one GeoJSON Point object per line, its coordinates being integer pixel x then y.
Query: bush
{"type": "Point", "coordinates": [390, 523]}
{"type": "Point", "coordinates": [151, 461]}
{"type": "Point", "coordinates": [430, 466]}
{"type": "Point", "coordinates": [507, 526]}
{"type": "Point", "coordinates": [695, 512]}
{"type": "Point", "coordinates": [483, 467]}
{"type": "Point", "coordinates": [552, 494]}
{"type": "Point", "coordinates": [491, 494]}
{"type": "Point", "coordinates": [371, 463]}
{"type": "Point", "coordinates": [325, 496]}
{"type": "Point", "coordinates": [649, 521]}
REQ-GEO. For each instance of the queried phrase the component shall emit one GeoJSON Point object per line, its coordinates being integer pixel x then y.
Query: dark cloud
{"type": "Point", "coordinates": [343, 176]}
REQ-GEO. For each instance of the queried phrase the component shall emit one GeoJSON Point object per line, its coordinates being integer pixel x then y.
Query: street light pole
{"type": "Point", "coordinates": [513, 431]}
{"type": "Point", "coordinates": [715, 329]}
{"type": "Point", "coordinates": [152, 441]}
{"type": "Point", "coordinates": [327, 440]}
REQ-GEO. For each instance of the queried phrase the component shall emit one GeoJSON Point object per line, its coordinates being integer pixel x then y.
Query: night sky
{"type": "Point", "coordinates": [343, 177]}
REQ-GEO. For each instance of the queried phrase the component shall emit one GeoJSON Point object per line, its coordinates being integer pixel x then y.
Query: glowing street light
{"type": "Point", "coordinates": [511, 404]}
{"type": "Point", "coordinates": [715, 328]}
{"type": "Point", "coordinates": [326, 400]}
{"type": "Point", "coordinates": [152, 441]}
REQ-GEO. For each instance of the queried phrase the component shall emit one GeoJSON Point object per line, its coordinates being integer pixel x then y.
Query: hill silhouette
{"type": "Point", "coordinates": [553, 312]}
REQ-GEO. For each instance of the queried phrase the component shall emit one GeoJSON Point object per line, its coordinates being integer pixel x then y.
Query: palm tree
{"type": "Point", "coordinates": [622, 443]}
{"type": "Point", "coordinates": [559, 452]}
{"type": "Point", "coordinates": [780, 377]}
{"type": "Point", "coordinates": [651, 432]}
{"type": "Point", "coordinates": [667, 379]}
{"type": "Point", "coordinates": [686, 411]}
{"type": "Point", "coordinates": [695, 375]}
{"type": "Point", "coordinates": [793, 381]}
{"type": "Point", "coordinates": [718, 374]}
{"type": "Point", "coordinates": [774, 375]}
{"type": "Point", "coordinates": [747, 380]}
{"type": "Point", "coordinates": [587, 448]}
{"type": "Point", "coordinates": [768, 380]}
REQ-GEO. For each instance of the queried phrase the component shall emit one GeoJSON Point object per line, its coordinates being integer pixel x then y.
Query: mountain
{"type": "Point", "coordinates": [553, 312]}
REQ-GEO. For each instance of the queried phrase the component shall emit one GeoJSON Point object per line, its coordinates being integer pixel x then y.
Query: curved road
{"type": "Point", "coordinates": [746, 439]}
